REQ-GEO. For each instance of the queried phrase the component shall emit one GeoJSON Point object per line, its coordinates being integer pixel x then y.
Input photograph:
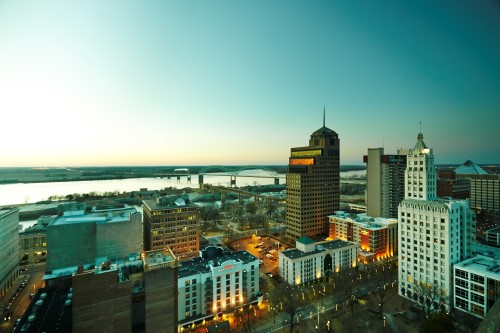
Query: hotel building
{"type": "Point", "coordinates": [217, 281]}
{"type": "Point", "coordinates": [9, 256]}
{"type": "Point", "coordinates": [76, 237]}
{"type": "Point", "coordinates": [477, 285]}
{"type": "Point", "coordinates": [312, 260]}
{"type": "Point", "coordinates": [385, 182]}
{"type": "Point", "coordinates": [375, 237]}
{"type": "Point", "coordinates": [433, 234]}
{"type": "Point", "coordinates": [172, 222]}
{"type": "Point", "coordinates": [312, 185]}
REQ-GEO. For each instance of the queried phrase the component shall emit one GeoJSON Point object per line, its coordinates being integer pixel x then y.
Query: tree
{"type": "Point", "coordinates": [347, 281]}
{"type": "Point", "coordinates": [246, 317]}
{"type": "Point", "coordinates": [428, 297]}
{"type": "Point", "coordinates": [437, 323]}
{"type": "Point", "coordinates": [289, 299]}
{"type": "Point", "coordinates": [251, 207]}
{"type": "Point", "coordinates": [228, 235]}
{"type": "Point", "coordinates": [271, 208]}
{"type": "Point", "coordinates": [208, 213]}
{"type": "Point", "coordinates": [381, 281]}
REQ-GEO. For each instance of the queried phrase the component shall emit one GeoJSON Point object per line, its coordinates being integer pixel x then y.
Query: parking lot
{"type": "Point", "coordinates": [264, 248]}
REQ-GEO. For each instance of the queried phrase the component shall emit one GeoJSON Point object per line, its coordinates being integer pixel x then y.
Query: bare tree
{"type": "Point", "coordinates": [381, 281]}
{"type": "Point", "coordinates": [428, 297]}
{"type": "Point", "coordinates": [289, 299]}
{"type": "Point", "coordinates": [208, 213]}
{"type": "Point", "coordinates": [246, 317]}
{"type": "Point", "coordinates": [348, 283]}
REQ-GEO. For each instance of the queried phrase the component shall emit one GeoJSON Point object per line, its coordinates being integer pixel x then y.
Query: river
{"type": "Point", "coordinates": [34, 192]}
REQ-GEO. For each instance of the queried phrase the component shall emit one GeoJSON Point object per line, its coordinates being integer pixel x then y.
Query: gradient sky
{"type": "Point", "coordinates": [241, 82]}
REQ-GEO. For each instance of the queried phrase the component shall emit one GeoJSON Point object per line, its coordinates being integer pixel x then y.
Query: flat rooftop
{"type": "Point", "coordinates": [100, 265]}
{"type": "Point", "coordinates": [203, 265]}
{"type": "Point", "coordinates": [320, 247]}
{"type": "Point", "coordinates": [482, 265]}
{"type": "Point", "coordinates": [160, 258]}
{"type": "Point", "coordinates": [112, 216]}
{"type": "Point", "coordinates": [170, 203]}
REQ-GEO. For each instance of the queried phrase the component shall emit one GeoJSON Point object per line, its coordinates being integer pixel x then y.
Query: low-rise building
{"type": "Point", "coordinates": [312, 260]}
{"type": "Point", "coordinates": [376, 237]}
{"type": "Point", "coordinates": [477, 285]}
{"type": "Point", "coordinates": [33, 241]}
{"type": "Point", "coordinates": [217, 281]}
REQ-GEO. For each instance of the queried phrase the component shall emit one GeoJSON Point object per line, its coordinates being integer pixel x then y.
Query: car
{"type": "Point", "coordinates": [8, 316]}
{"type": "Point", "coordinates": [256, 246]}
{"type": "Point", "coordinates": [31, 296]}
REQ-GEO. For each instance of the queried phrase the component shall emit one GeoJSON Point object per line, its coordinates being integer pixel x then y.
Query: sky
{"type": "Point", "coordinates": [104, 83]}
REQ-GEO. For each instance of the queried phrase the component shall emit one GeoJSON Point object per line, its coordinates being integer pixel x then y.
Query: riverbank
{"type": "Point", "coordinates": [70, 174]}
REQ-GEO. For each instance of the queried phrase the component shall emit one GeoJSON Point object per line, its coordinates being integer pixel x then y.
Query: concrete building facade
{"type": "Point", "coordinates": [477, 285]}
{"type": "Point", "coordinates": [312, 260]}
{"type": "Point", "coordinates": [216, 282]}
{"type": "Point", "coordinates": [76, 237]}
{"type": "Point", "coordinates": [9, 256]}
{"type": "Point", "coordinates": [33, 241]}
{"type": "Point", "coordinates": [172, 222]}
{"type": "Point", "coordinates": [376, 238]}
{"type": "Point", "coordinates": [434, 234]}
{"type": "Point", "coordinates": [312, 185]}
{"type": "Point", "coordinates": [133, 294]}
{"type": "Point", "coordinates": [385, 176]}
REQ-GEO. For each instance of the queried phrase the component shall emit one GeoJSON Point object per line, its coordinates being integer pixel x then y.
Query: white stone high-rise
{"type": "Point", "coordinates": [433, 233]}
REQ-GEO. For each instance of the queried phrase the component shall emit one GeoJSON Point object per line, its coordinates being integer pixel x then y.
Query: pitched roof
{"type": "Point", "coordinates": [470, 168]}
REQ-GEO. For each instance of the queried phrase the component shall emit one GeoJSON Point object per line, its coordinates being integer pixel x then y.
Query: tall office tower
{"type": "Point", "coordinates": [433, 233]}
{"type": "Point", "coordinates": [172, 222]}
{"type": "Point", "coordinates": [312, 185]}
{"type": "Point", "coordinates": [9, 256]}
{"type": "Point", "coordinates": [385, 180]}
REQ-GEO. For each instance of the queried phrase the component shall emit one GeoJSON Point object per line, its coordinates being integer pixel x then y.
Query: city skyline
{"type": "Point", "coordinates": [171, 83]}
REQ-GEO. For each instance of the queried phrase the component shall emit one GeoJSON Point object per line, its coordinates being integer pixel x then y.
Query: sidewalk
{"type": "Point", "coordinates": [12, 291]}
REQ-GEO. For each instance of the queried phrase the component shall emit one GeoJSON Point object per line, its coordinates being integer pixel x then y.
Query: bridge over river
{"type": "Point", "coordinates": [242, 171]}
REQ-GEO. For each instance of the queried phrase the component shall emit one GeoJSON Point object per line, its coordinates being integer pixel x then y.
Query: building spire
{"type": "Point", "coordinates": [324, 108]}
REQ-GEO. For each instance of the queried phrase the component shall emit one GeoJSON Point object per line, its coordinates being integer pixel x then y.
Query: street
{"type": "Point", "coordinates": [34, 276]}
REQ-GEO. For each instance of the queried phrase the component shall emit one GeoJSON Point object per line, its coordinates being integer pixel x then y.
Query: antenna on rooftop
{"type": "Point", "coordinates": [324, 108]}
{"type": "Point", "coordinates": [420, 126]}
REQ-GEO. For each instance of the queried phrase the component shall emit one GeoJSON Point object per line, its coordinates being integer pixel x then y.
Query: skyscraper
{"type": "Point", "coordinates": [433, 233]}
{"type": "Point", "coordinates": [385, 180]}
{"type": "Point", "coordinates": [312, 185]}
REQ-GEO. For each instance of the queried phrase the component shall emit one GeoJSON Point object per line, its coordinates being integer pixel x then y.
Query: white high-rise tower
{"type": "Point", "coordinates": [433, 233]}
